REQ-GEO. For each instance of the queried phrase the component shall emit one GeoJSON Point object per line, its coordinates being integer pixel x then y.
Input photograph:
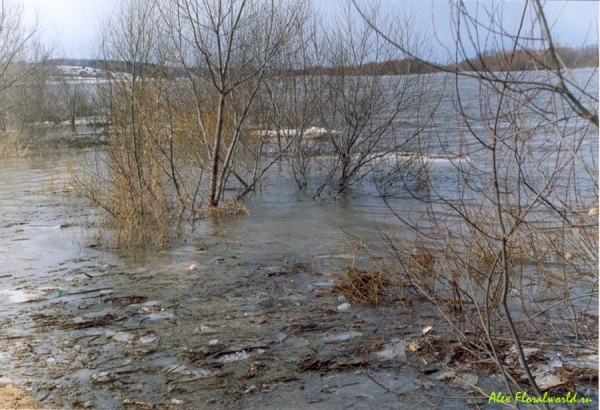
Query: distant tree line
{"type": "Point", "coordinates": [520, 60]}
{"type": "Point", "coordinates": [528, 60]}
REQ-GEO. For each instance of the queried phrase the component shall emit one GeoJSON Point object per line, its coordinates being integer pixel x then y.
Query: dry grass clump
{"type": "Point", "coordinates": [422, 259]}
{"type": "Point", "coordinates": [12, 397]}
{"type": "Point", "coordinates": [11, 145]}
{"type": "Point", "coordinates": [231, 207]}
{"type": "Point", "coordinates": [362, 286]}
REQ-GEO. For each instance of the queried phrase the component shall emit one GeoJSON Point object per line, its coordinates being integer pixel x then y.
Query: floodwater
{"type": "Point", "coordinates": [255, 326]}
{"type": "Point", "coordinates": [258, 324]}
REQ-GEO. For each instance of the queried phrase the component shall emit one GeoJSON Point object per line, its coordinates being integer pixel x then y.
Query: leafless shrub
{"type": "Point", "coordinates": [512, 235]}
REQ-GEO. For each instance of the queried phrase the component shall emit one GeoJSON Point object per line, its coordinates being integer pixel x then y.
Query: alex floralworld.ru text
{"type": "Point", "coordinates": [524, 398]}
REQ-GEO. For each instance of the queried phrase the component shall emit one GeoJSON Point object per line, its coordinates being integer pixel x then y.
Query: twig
{"type": "Point", "coordinates": [170, 390]}
{"type": "Point", "coordinates": [87, 291]}
{"type": "Point", "coordinates": [138, 403]}
{"type": "Point", "coordinates": [348, 384]}
{"type": "Point", "coordinates": [376, 382]}
{"type": "Point", "coordinates": [15, 337]}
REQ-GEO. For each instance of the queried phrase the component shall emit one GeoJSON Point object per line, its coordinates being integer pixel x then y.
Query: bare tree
{"type": "Point", "coordinates": [21, 55]}
{"type": "Point", "coordinates": [287, 111]}
{"type": "Point", "coordinates": [363, 105]}
{"type": "Point", "coordinates": [226, 48]}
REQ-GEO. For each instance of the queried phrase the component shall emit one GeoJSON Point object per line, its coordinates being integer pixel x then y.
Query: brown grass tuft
{"type": "Point", "coordinates": [230, 207]}
{"type": "Point", "coordinates": [362, 286]}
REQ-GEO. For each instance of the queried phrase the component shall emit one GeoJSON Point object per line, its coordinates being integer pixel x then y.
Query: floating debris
{"type": "Point", "coordinates": [138, 403]}
{"type": "Point", "coordinates": [413, 347]}
{"type": "Point", "coordinates": [193, 267]}
{"type": "Point", "coordinates": [427, 330]}
{"type": "Point", "coordinates": [343, 307]}
{"type": "Point", "coordinates": [568, 256]}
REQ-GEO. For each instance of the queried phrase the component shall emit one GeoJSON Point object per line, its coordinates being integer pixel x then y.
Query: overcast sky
{"type": "Point", "coordinates": [76, 22]}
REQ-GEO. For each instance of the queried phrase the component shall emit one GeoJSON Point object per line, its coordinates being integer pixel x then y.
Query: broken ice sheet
{"type": "Point", "coordinates": [395, 349]}
{"type": "Point", "coordinates": [123, 337]}
{"type": "Point", "coordinates": [207, 329]}
{"type": "Point", "coordinates": [547, 380]}
{"type": "Point", "coordinates": [148, 339]}
{"type": "Point", "coordinates": [465, 381]}
{"type": "Point", "coordinates": [341, 337]}
{"type": "Point", "coordinates": [589, 361]}
{"type": "Point", "coordinates": [234, 357]}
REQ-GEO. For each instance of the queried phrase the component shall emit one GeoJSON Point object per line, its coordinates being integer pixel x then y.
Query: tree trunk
{"type": "Point", "coordinates": [213, 199]}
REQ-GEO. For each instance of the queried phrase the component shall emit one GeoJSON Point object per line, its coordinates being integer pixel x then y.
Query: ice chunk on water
{"type": "Point", "coordinates": [160, 316]}
{"type": "Point", "coordinates": [19, 296]}
{"type": "Point", "coordinates": [343, 307]}
{"type": "Point", "coordinates": [545, 380]}
{"type": "Point", "coordinates": [396, 349]}
{"type": "Point", "coordinates": [234, 357]}
{"type": "Point", "coordinates": [465, 381]}
{"type": "Point", "coordinates": [324, 284]}
{"type": "Point", "coordinates": [207, 329]}
{"type": "Point", "coordinates": [341, 337]}
{"type": "Point", "coordinates": [123, 337]}
{"type": "Point", "coordinates": [5, 381]}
